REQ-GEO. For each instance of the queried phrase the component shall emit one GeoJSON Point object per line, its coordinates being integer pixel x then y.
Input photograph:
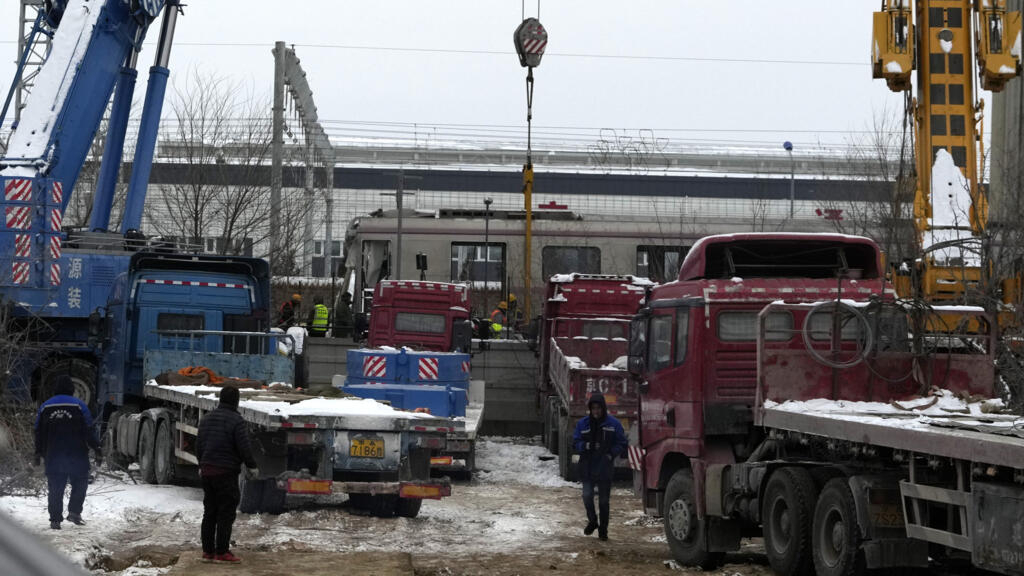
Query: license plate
{"type": "Point", "coordinates": [366, 448]}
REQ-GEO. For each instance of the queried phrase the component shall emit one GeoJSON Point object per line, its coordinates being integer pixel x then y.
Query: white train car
{"type": "Point", "coordinates": [488, 253]}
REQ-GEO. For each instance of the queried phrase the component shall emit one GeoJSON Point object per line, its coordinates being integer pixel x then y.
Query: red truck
{"type": "Point", "coordinates": [421, 315]}
{"type": "Point", "coordinates": [583, 348]}
{"type": "Point", "coordinates": [786, 393]}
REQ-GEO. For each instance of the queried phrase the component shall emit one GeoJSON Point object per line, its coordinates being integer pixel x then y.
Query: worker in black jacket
{"type": "Point", "coordinates": [223, 445]}
{"type": "Point", "coordinates": [64, 434]}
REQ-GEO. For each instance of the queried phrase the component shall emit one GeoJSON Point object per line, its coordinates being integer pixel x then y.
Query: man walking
{"type": "Point", "coordinates": [289, 313]}
{"type": "Point", "coordinates": [599, 439]}
{"type": "Point", "coordinates": [64, 434]}
{"type": "Point", "coordinates": [319, 318]}
{"type": "Point", "coordinates": [343, 317]}
{"type": "Point", "coordinates": [223, 445]}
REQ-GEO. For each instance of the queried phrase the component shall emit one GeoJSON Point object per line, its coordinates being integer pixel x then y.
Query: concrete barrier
{"type": "Point", "coordinates": [508, 368]}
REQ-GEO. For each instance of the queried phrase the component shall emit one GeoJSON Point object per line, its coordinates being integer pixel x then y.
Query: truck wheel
{"type": "Point", "coordinates": [786, 515]}
{"type": "Point", "coordinates": [835, 533]}
{"type": "Point", "coordinates": [163, 453]}
{"type": "Point", "coordinates": [565, 467]}
{"type": "Point", "coordinates": [250, 493]}
{"type": "Point", "coordinates": [147, 442]}
{"type": "Point", "coordinates": [82, 374]}
{"type": "Point", "coordinates": [684, 531]}
{"type": "Point", "coordinates": [273, 497]}
{"type": "Point", "coordinates": [408, 507]}
{"type": "Point", "coordinates": [111, 455]}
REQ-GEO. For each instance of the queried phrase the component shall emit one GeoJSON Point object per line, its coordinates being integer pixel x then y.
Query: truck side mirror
{"type": "Point", "coordinates": [97, 329]}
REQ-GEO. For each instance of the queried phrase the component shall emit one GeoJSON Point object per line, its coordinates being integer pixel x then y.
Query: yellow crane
{"type": "Point", "coordinates": [948, 47]}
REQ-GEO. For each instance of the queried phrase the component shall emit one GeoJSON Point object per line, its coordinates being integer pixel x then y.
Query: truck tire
{"type": "Point", "coordinates": [250, 492]}
{"type": "Point", "coordinates": [273, 497]}
{"type": "Point", "coordinates": [684, 531]}
{"type": "Point", "coordinates": [147, 443]}
{"type": "Point", "coordinates": [565, 466]}
{"type": "Point", "coordinates": [786, 515]}
{"type": "Point", "coordinates": [835, 532]}
{"type": "Point", "coordinates": [408, 507]}
{"type": "Point", "coordinates": [82, 374]}
{"type": "Point", "coordinates": [164, 459]}
{"type": "Point", "coordinates": [113, 458]}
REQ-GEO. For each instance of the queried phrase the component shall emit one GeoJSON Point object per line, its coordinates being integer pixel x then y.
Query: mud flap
{"type": "Point", "coordinates": [723, 534]}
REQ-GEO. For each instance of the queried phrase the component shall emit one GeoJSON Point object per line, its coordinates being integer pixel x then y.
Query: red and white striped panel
{"type": "Point", "coordinates": [55, 219]}
{"type": "Point", "coordinates": [428, 369]}
{"type": "Point", "coordinates": [535, 46]}
{"type": "Point", "coordinates": [465, 367]}
{"type": "Point", "coordinates": [18, 217]}
{"type": "Point", "coordinates": [636, 457]}
{"type": "Point", "coordinates": [19, 272]}
{"type": "Point", "coordinates": [190, 283]}
{"type": "Point", "coordinates": [54, 247]}
{"type": "Point", "coordinates": [374, 367]}
{"type": "Point", "coordinates": [55, 274]}
{"type": "Point", "coordinates": [57, 193]}
{"type": "Point", "coordinates": [22, 245]}
{"type": "Point", "coordinates": [18, 190]}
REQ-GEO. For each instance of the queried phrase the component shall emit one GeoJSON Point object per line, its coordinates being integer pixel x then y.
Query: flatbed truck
{"type": "Point", "coordinates": [786, 393]}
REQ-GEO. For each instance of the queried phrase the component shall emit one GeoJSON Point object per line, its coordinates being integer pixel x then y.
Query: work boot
{"type": "Point", "coordinates": [76, 519]}
{"type": "Point", "coordinates": [208, 557]}
{"type": "Point", "coordinates": [227, 558]}
{"type": "Point", "coordinates": [591, 526]}
{"type": "Point", "coordinates": [54, 525]}
{"type": "Point", "coordinates": [602, 533]}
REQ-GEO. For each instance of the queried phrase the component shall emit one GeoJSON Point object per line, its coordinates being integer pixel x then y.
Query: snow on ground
{"type": "Point", "coordinates": [502, 460]}
{"type": "Point", "coordinates": [518, 503]}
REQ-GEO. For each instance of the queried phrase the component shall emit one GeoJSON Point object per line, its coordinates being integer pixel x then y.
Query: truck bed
{"type": "Point", "coordinates": [274, 410]}
{"type": "Point", "coordinates": [938, 430]}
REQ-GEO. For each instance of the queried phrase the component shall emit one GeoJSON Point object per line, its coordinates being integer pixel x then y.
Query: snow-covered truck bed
{"type": "Point", "coordinates": [376, 454]}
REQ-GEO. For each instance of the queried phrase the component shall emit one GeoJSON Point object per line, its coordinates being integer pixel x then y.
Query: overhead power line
{"type": "Point", "coordinates": [505, 53]}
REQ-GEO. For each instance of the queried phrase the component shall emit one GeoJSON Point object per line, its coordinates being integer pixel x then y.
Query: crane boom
{"type": "Point", "coordinates": [947, 42]}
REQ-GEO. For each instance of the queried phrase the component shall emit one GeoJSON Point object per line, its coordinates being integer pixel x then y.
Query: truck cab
{"type": "Point", "coordinates": [694, 348]}
{"type": "Point", "coordinates": [162, 301]}
{"type": "Point", "coordinates": [421, 315]}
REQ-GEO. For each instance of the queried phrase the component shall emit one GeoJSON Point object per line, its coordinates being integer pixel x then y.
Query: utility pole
{"type": "Point", "coordinates": [487, 248]}
{"type": "Point", "coordinates": [290, 80]}
{"type": "Point", "coordinates": [399, 194]}
{"type": "Point", "coordinates": [277, 155]}
{"type": "Point", "coordinates": [792, 176]}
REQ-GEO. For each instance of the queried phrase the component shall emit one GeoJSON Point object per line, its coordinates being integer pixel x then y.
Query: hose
{"type": "Point", "coordinates": [864, 345]}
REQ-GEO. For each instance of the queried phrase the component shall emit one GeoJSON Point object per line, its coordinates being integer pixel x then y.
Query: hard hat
{"type": "Point", "coordinates": [502, 305]}
{"type": "Point", "coordinates": [297, 297]}
{"type": "Point", "coordinates": [511, 297]}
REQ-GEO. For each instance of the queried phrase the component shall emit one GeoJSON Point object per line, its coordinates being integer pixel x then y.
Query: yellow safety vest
{"type": "Point", "coordinates": [320, 314]}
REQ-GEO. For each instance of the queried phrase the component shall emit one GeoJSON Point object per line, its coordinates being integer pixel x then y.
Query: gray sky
{"type": "Point", "coordinates": [801, 102]}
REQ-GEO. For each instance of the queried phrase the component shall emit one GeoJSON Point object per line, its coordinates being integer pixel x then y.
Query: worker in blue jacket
{"type": "Point", "coordinates": [599, 439]}
{"type": "Point", "coordinates": [64, 434]}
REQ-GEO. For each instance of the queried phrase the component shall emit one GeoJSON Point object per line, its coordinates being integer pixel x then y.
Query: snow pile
{"type": "Point", "coordinates": [575, 362]}
{"type": "Point", "coordinates": [502, 460]}
{"type": "Point", "coordinates": [68, 47]}
{"type": "Point", "coordinates": [620, 363]}
{"type": "Point", "coordinates": [893, 67]}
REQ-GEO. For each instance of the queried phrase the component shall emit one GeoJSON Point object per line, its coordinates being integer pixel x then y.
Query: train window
{"type": "Point", "coordinates": [423, 323]}
{"type": "Point", "coordinates": [569, 259]}
{"type": "Point", "coordinates": [659, 263]}
{"type": "Point", "coordinates": [741, 326]}
{"type": "Point", "coordinates": [661, 342]}
{"type": "Point", "coordinates": [478, 262]}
